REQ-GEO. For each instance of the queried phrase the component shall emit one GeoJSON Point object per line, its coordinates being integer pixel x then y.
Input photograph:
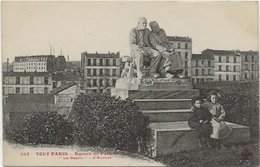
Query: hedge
{"type": "Point", "coordinates": [43, 128]}
{"type": "Point", "coordinates": [102, 120]}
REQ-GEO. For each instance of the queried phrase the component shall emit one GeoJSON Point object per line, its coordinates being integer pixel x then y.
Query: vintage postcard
{"type": "Point", "coordinates": [130, 83]}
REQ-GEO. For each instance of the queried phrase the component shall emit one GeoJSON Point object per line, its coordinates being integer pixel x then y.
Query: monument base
{"type": "Point", "coordinates": [153, 88]}
{"type": "Point", "coordinates": [167, 103]}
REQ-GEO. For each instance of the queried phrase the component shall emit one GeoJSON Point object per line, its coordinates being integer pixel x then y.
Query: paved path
{"type": "Point", "coordinates": [18, 155]}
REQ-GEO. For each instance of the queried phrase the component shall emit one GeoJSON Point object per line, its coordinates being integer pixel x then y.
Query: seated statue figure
{"type": "Point", "coordinates": [171, 64]}
{"type": "Point", "coordinates": [141, 50]}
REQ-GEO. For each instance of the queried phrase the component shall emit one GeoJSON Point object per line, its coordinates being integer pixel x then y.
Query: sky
{"type": "Point", "coordinates": [29, 28]}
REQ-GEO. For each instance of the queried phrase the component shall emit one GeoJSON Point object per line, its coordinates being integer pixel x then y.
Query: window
{"type": "Point", "coordinates": [234, 77]}
{"type": "Point", "coordinates": [101, 62]}
{"type": "Point", "coordinates": [45, 90]}
{"type": "Point", "coordinates": [89, 72]}
{"type": "Point", "coordinates": [100, 82]}
{"type": "Point", "coordinates": [227, 59]}
{"type": "Point", "coordinates": [227, 77]}
{"type": "Point", "coordinates": [46, 80]}
{"type": "Point", "coordinates": [203, 72]}
{"type": "Point", "coordinates": [17, 80]}
{"type": "Point", "coordinates": [202, 62]}
{"type": "Point", "coordinates": [245, 75]}
{"type": "Point", "coordinates": [179, 53]}
{"type": "Point", "coordinates": [114, 62]}
{"type": "Point", "coordinates": [235, 68]}
{"type": "Point", "coordinates": [114, 72]}
{"type": "Point", "coordinates": [246, 58]}
{"type": "Point", "coordinates": [252, 58]}
{"type": "Point", "coordinates": [107, 62]}
{"type": "Point", "coordinates": [179, 45]}
{"type": "Point", "coordinates": [197, 63]}
{"type": "Point", "coordinates": [235, 59]}
{"type": "Point", "coordinates": [209, 63]}
{"type": "Point", "coordinates": [209, 71]}
{"type": "Point", "coordinates": [94, 72]}
{"type": "Point", "coordinates": [31, 80]}
{"type": "Point", "coordinates": [94, 82]}
{"type": "Point", "coordinates": [89, 62]}
{"type": "Point", "coordinates": [219, 68]}
{"type": "Point", "coordinates": [107, 82]}
{"type": "Point", "coordinates": [114, 82]}
{"type": "Point", "coordinates": [227, 68]}
{"type": "Point", "coordinates": [252, 67]}
{"type": "Point", "coordinates": [31, 90]}
{"type": "Point", "coordinates": [246, 66]}
{"type": "Point", "coordinates": [220, 77]}
{"type": "Point", "coordinates": [100, 72]}
{"type": "Point", "coordinates": [219, 59]}
{"type": "Point", "coordinates": [196, 72]}
{"type": "Point", "coordinates": [17, 90]}
{"type": "Point", "coordinates": [89, 82]}
{"type": "Point", "coordinates": [252, 76]}
{"type": "Point", "coordinates": [186, 55]}
{"type": "Point", "coordinates": [94, 62]}
{"type": "Point", "coordinates": [107, 72]}
{"type": "Point", "coordinates": [186, 45]}
{"type": "Point", "coordinates": [186, 64]}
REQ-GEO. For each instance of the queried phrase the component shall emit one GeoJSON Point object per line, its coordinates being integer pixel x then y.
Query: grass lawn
{"type": "Point", "coordinates": [225, 157]}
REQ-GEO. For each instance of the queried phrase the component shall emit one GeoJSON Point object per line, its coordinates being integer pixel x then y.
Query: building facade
{"type": "Point", "coordinates": [27, 83]}
{"type": "Point", "coordinates": [227, 64]}
{"type": "Point", "coordinates": [249, 66]}
{"type": "Point", "coordinates": [183, 46]}
{"type": "Point", "coordinates": [99, 71]}
{"type": "Point", "coordinates": [41, 63]}
{"type": "Point", "coordinates": [202, 68]}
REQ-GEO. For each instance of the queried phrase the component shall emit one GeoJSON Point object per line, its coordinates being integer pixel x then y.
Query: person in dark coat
{"type": "Point", "coordinates": [200, 120]}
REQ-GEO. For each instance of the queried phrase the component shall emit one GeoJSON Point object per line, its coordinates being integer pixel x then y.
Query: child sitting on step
{"type": "Point", "coordinates": [200, 120]}
{"type": "Point", "coordinates": [220, 129]}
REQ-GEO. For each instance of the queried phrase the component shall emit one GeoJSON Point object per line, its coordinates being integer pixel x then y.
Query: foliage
{"type": "Point", "coordinates": [240, 101]}
{"type": "Point", "coordinates": [44, 128]}
{"type": "Point", "coordinates": [102, 120]}
{"type": "Point", "coordinates": [224, 157]}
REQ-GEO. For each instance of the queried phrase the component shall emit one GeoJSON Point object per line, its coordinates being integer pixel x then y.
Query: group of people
{"type": "Point", "coordinates": [208, 119]}
{"type": "Point", "coordinates": [152, 50]}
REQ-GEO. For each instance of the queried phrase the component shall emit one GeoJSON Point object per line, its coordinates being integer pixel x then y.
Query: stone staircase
{"type": "Point", "coordinates": [168, 111]}
{"type": "Point", "coordinates": [170, 130]}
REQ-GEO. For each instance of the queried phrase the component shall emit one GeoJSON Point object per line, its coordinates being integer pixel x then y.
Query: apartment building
{"type": "Point", "coordinates": [99, 71]}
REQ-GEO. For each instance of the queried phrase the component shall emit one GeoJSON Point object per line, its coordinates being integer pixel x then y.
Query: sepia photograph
{"type": "Point", "coordinates": [130, 83]}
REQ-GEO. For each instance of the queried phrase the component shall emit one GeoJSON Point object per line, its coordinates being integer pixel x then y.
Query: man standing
{"type": "Point", "coordinates": [141, 49]}
{"type": "Point", "coordinates": [171, 64]}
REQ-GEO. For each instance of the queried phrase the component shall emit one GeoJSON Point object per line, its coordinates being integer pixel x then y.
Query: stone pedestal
{"type": "Point", "coordinates": [167, 103]}
{"type": "Point", "coordinates": [152, 88]}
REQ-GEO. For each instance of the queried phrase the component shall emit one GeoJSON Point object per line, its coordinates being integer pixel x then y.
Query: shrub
{"type": "Point", "coordinates": [240, 104]}
{"type": "Point", "coordinates": [102, 120]}
{"type": "Point", "coordinates": [44, 128]}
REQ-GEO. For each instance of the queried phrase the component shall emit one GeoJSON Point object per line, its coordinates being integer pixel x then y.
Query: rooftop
{"type": "Point", "coordinates": [222, 52]}
{"type": "Point", "coordinates": [179, 38]}
{"type": "Point", "coordinates": [202, 57]}
{"type": "Point", "coordinates": [101, 55]}
{"type": "Point", "coordinates": [27, 73]}
{"type": "Point", "coordinates": [61, 88]}
{"type": "Point", "coordinates": [32, 56]}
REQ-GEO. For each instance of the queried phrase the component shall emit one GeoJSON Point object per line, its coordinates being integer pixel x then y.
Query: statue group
{"type": "Point", "coordinates": [152, 54]}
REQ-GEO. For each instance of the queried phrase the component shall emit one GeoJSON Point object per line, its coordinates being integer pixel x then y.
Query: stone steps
{"type": "Point", "coordinates": [163, 104]}
{"type": "Point", "coordinates": [155, 94]}
{"type": "Point", "coordinates": [173, 137]}
{"type": "Point", "coordinates": [167, 115]}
